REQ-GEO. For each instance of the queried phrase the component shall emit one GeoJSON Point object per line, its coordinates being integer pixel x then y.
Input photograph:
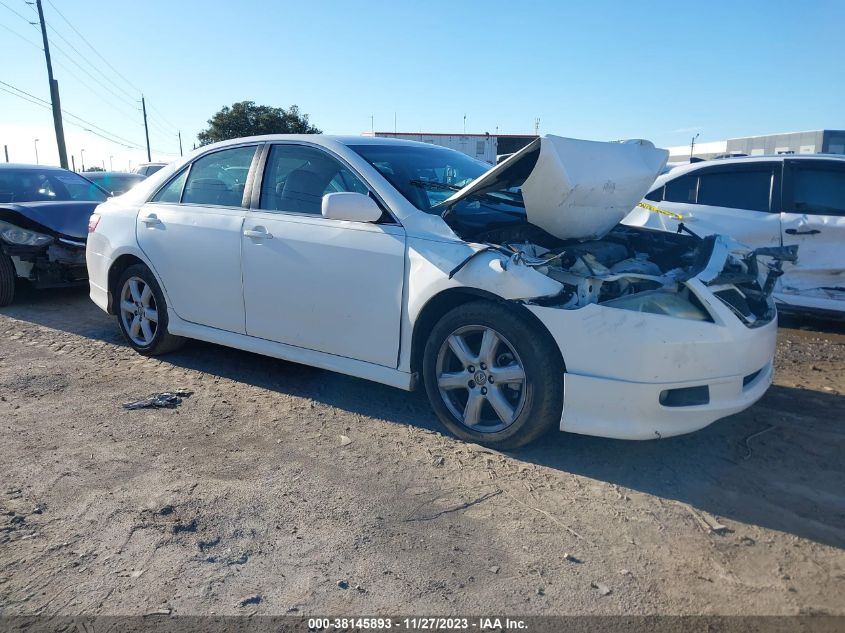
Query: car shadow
{"type": "Point", "coordinates": [777, 465]}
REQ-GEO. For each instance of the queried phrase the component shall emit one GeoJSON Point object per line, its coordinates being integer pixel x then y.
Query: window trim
{"type": "Point", "coordinates": [261, 170]}
{"type": "Point", "coordinates": [774, 168]}
{"type": "Point", "coordinates": [247, 185]}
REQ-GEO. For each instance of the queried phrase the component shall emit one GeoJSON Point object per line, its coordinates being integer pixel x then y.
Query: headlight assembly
{"type": "Point", "coordinates": [660, 302]}
{"type": "Point", "coordinates": [22, 237]}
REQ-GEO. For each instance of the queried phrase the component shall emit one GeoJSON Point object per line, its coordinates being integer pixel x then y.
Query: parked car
{"type": "Point", "coordinates": [147, 169]}
{"type": "Point", "coordinates": [764, 201]}
{"type": "Point", "coordinates": [509, 293]}
{"type": "Point", "coordinates": [115, 182]}
{"type": "Point", "coordinates": [44, 214]}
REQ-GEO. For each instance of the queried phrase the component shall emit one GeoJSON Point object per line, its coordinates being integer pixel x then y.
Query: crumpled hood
{"type": "Point", "coordinates": [60, 219]}
{"type": "Point", "coordinates": [571, 188]}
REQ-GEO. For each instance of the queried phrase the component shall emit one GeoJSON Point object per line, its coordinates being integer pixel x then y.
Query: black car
{"type": "Point", "coordinates": [115, 182]}
{"type": "Point", "coordinates": [44, 214]}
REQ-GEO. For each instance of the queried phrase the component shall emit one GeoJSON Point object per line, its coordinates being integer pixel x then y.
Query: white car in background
{"type": "Point", "coordinates": [510, 292]}
{"type": "Point", "coordinates": [765, 201]}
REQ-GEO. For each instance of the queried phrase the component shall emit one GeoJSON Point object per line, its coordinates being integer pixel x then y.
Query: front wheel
{"type": "Point", "coordinates": [142, 313]}
{"type": "Point", "coordinates": [492, 377]}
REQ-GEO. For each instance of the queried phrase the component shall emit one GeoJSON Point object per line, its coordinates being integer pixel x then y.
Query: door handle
{"type": "Point", "coordinates": [797, 232]}
{"type": "Point", "coordinates": [258, 233]}
{"type": "Point", "coordinates": [151, 220]}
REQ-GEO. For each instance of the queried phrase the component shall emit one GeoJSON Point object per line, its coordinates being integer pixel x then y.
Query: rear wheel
{"type": "Point", "coordinates": [492, 377]}
{"type": "Point", "coordinates": [142, 313]}
{"type": "Point", "coordinates": [7, 280]}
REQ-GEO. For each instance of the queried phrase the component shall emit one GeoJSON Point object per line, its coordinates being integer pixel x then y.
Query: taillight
{"type": "Point", "coordinates": [93, 221]}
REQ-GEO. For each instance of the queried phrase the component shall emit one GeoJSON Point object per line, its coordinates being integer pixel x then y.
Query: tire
{"type": "Point", "coordinates": [138, 296]}
{"type": "Point", "coordinates": [8, 278]}
{"type": "Point", "coordinates": [505, 342]}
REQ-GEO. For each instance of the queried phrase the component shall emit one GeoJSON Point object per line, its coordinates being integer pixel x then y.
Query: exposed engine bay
{"type": "Point", "coordinates": [645, 270]}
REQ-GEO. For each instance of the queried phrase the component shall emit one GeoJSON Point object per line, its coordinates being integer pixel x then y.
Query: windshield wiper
{"type": "Point", "coordinates": [435, 185]}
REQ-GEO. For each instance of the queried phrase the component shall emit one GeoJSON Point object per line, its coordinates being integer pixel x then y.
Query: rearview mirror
{"type": "Point", "coordinates": [350, 206]}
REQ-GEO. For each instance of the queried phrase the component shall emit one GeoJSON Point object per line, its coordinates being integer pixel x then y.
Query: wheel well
{"type": "Point", "coordinates": [440, 304]}
{"type": "Point", "coordinates": [120, 264]}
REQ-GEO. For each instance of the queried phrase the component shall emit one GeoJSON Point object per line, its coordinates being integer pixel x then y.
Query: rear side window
{"type": "Point", "coordinates": [173, 191]}
{"type": "Point", "coordinates": [219, 178]}
{"type": "Point", "coordinates": [681, 189]}
{"type": "Point", "coordinates": [818, 191]}
{"type": "Point", "coordinates": [656, 195]}
{"type": "Point", "coordinates": [746, 189]}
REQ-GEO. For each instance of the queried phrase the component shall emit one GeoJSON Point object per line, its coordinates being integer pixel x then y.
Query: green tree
{"type": "Point", "coordinates": [247, 119]}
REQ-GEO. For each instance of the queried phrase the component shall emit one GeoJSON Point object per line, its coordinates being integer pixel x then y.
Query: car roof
{"type": "Point", "coordinates": [326, 140]}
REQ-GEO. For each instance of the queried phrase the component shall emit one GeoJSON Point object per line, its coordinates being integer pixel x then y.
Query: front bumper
{"type": "Point", "coordinates": [633, 411]}
{"type": "Point", "coordinates": [618, 363]}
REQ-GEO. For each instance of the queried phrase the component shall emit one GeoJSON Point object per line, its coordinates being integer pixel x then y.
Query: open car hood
{"type": "Point", "coordinates": [571, 188]}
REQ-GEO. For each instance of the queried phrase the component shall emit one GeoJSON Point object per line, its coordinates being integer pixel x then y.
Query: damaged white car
{"type": "Point", "coordinates": [510, 293]}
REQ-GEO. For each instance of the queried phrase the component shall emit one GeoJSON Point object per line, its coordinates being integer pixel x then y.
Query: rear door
{"type": "Point", "coordinates": [741, 200]}
{"type": "Point", "coordinates": [191, 234]}
{"type": "Point", "coordinates": [814, 218]}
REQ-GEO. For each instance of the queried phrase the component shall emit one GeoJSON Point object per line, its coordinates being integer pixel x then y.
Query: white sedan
{"type": "Point", "coordinates": [510, 293]}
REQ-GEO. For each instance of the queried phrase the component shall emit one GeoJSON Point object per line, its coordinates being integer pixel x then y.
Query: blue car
{"type": "Point", "coordinates": [44, 214]}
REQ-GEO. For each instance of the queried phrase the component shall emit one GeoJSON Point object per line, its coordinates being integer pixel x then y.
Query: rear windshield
{"type": "Point", "coordinates": [34, 185]}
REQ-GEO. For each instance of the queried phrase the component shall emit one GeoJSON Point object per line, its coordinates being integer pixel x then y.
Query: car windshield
{"type": "Point", "coordinates": [40, 185]}
{"type": "Point", "coordinates": [425, 175]}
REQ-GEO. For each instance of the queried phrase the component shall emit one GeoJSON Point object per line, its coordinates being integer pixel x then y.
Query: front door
{"type": "Point", "coordinates": [191, 234]}
{"type": "Point", "coordinates": [814, 218]}
{"type": "Point", "coordinates": [328, 285]}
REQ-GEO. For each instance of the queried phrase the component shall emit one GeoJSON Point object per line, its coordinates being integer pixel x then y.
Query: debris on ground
{"type": "Point", "coordinates": [601, 587]}
{"type": "Point", "coordinates": [343, 584]}
{"type": "Point", "coordinates": [345, 440]}
{"type": "Point", "coordinates": [245, 602]}
{"type": "Point", "coordinates": [162, 400]}
{"type": "Point", "coordinates": [494, 569]}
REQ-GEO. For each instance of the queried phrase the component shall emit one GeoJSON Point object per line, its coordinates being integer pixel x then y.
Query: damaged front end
{"type": "Point", "coordinates": [648, 271]}
{"type": "Point", "coordinates": [40, 254]}
{"type": "Point", "coordinates": [559, 203]}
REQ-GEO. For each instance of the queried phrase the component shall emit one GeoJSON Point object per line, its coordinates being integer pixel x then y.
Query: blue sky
{"type": "Point", "coordinates": [601, 70]}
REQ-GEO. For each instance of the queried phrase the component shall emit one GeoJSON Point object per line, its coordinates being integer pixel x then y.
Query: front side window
{"type": "Point", "coordinates": [818, 191]}
{"type": "Point", "coordinates": [681, 189]}
{"type": "Point", "coordinates": [297, 177]}
{"type": "Point", "coordinates": [172, 193]}
{"type": "Point", "coordinates": [745, 189]}
{"type": "Point", "coordinates": [219, 178]}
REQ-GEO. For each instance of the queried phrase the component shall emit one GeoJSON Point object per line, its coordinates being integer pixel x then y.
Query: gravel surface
{"type": "Point", "coordinates": [276, 488]}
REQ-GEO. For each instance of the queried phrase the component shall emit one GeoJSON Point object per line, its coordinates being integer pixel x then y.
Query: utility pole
{"type": "Point", "coordinates": [372, 123]}
{"type": "Point", "coordinates": [54, 92]}
{"type": "Point", "coordinates": [36, 152]}
{"type": "Point", "coordinates": [146, 129]}
{"type": "Point", "coordinates": [180, 143]}
{"type": "Point", "coordinates": [82, 158]}
{"type": "Point", "coordinates": [465, 124]}
{"type": "Point", "coordinates": [6, 149]}
{"type": "Point", "coordinates": [692, 145]}
{"type": "Point", "coordinates": [111, 163]}
{"type": "Point", "coordinates": [73, 161]}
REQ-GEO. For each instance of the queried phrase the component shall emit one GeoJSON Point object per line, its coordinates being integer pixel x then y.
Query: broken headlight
{"type": "Point", "coordinates": [662, 302]}
{"type": "Point", "coordinates": [21, 237]}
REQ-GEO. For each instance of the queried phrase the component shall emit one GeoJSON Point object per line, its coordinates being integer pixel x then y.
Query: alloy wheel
{"type": "Point", "coordinates": [481, 378]}
{"type": "Point", "coordinates": [138, 311]}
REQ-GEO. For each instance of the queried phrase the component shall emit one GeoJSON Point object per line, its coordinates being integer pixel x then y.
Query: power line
{"type": "Point", "coordinates": [119, 140]}
{"type": "Point", "coordinates": [96, 52]}
{"type": "Point", "coordinates": [20, 15]}
{"type": "Point", "coordinates": [16, 34]}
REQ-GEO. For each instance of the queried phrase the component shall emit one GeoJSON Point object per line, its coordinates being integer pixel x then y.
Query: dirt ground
{"type": "Point", "coordinates": [277, 488]}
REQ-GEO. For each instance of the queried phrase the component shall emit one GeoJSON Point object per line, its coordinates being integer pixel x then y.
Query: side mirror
{"type": "Point", "coordinates": [355, 207]}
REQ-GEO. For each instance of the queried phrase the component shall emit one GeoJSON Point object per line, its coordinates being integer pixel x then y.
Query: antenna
{"type": "Point", "coordinates": [537, 126]}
